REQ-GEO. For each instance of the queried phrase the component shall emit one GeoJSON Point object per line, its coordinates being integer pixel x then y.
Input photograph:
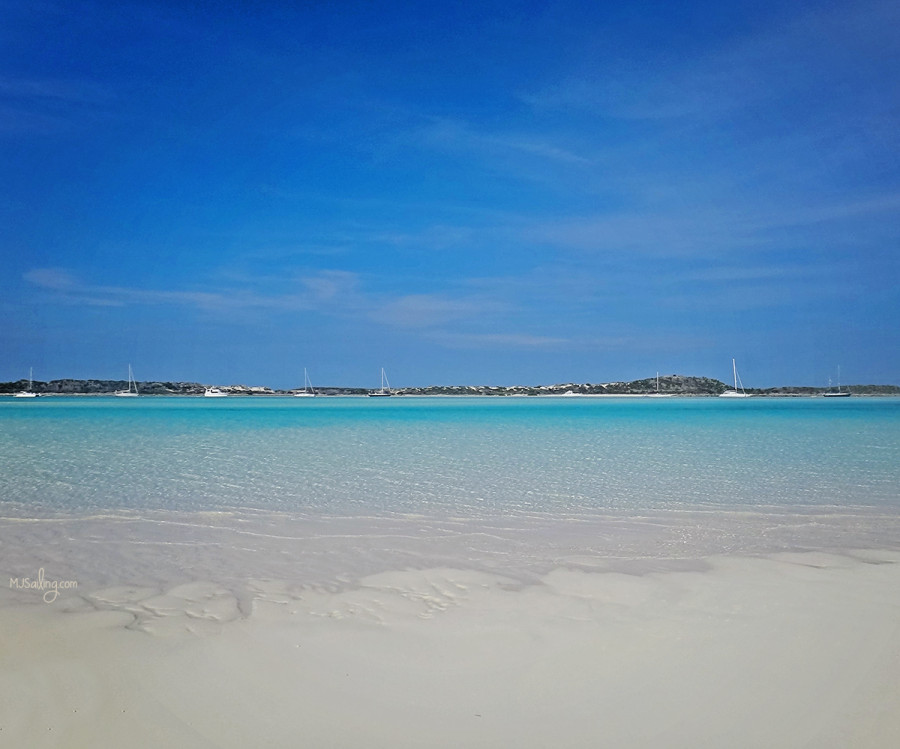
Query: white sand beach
{"type": "Point", "coordinates": [783, 649]}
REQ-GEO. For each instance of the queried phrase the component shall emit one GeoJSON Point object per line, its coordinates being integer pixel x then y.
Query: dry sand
{"type": "Point", "coordinates": [778, 650]}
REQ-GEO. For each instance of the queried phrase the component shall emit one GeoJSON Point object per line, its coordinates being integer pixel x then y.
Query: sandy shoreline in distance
{"type": "Point", "coordinates": [791, 649]}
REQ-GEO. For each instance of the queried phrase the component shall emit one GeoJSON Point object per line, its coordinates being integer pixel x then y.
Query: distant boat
{"type": "Point", "coordinates": [307, 391]}
{"type": "Point", "coordinates": [27, 393]}
{"type": "Point", "coordinates": [658, 394]}
{"type": "Point", "coordinates": [738, 391]}
{"type": "Point", "coordinates": [836, 393]}
{"type": "Point", "coordinates": [214, 393]}
{"type": "Point", "coordinates": [132, 391]}
{"type": "Point", "coordinates": [385, 387]}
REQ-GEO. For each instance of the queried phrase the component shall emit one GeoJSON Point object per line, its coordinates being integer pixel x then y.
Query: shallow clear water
{"type": "Point", "coordinates": [160, 490]}
{"type": "Point", "coordinates": [447, 456]}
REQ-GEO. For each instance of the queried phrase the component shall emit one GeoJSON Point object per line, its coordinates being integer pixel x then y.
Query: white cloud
{"type": "Point", "coordinates": [51, 278]}
{"type": "Point", "coordinates": [431, 310]}
{"type": "Point", "coordinates": [48, 106]}
{"type": "Point", "coordinates": [501, 340]}
{"type": "Point", "coordinates": [330, 285]}
{"type": "Point", "coordinates": [712, 228]}
{"type": "Point", "coordinates": [796, 54]}
{"type": "Point", "coordinates": [315, 291]}
{"type": "Point", "coordinates": [454, 135]}
{"type": "Point", "coordinates": [70, 90]}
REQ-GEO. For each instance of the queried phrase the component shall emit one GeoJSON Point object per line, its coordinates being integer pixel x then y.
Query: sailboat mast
{"type": "Point", "coordinates": [734, 370]}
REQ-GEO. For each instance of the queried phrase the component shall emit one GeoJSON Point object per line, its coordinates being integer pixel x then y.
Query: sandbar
{"type": "Point", "coordinates": [436, 645]}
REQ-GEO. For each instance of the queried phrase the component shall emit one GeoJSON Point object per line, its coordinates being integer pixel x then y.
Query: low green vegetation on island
{"type": "Point", "coordinates": [665, 385]}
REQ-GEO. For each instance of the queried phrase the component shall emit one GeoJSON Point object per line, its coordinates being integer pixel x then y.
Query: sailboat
{"type": "Point", "coordinates": [385, 387]}
{"type": "Point", "coordinates": [132, 391]}
{"type": "Point", "coordinates": [307, 391]}
{"type": "Point", "coordinates": [736, 393]}
{"type": "Point", "coordinates": [27, 393]}
{"type": "Point", "coordinates": [836, 393]}
{"type": "Point", "coordinates": [658, 394]}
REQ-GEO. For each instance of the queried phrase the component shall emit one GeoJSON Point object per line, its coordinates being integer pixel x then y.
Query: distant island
{"type": "Point", "coordinates": [668, 385]}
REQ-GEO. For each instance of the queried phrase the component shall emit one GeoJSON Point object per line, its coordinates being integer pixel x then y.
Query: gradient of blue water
{"type": "Point", "coordinates": [452, 456]}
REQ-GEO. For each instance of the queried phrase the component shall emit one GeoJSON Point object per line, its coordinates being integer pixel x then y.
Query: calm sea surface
{"type": "Point", "coordinates": [466, 457]}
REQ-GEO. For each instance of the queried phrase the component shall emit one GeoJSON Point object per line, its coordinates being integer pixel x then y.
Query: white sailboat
{"type": "Point", "coordinates": [307, 391]}
{"type": "Point", "coordinates": [28, 393]}
{"type": "Point", "coordinates": [132, 391]}
{"type": "Point", "coordinates": [836, 393]}
{"type": "Point", "coordinates": [738, 391]}
{"type": "Point", "coordinates": [385, 387]}
{"type": "Point", "coordinates": [658, 394]}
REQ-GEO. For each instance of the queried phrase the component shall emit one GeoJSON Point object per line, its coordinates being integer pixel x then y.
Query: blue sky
{"type": "Point", "coordinates": [475, 192]}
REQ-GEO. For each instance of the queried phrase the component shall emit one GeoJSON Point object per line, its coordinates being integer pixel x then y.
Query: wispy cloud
{"type": "Point", "coordinates": [460, 136]}
{"type": "Point", "coordinates": [432, 310]}
{"type": "Point", "coordinates": [495, 340]}
{"type": "Point", "coordinates": [311, 292]}
{"type": "Point", "coordinates": [478, 314]}
{"type": "Point", "coordinates": [792, 56]}
{"type": "Point", "coordinates": [802, 109]}
{"type": "Point", "coordinates": [47, 105]}
{"type": "Point", "coordinates": [53, 89]}
{"type": "Point", "coordinates": [758, 227]}
{"type": "Point", "coordinates": [332, 292]}
{"type": "Point", "coordinates": [57, 279]}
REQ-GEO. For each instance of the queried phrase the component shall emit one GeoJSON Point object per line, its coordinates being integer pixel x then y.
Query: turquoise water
{"type": "Point", "coordinates": [464, 457]}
